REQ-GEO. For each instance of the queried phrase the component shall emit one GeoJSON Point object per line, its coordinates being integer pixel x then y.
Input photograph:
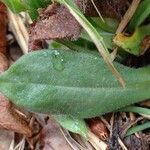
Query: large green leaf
{"type": "Point", "coordinates": [72, 83]}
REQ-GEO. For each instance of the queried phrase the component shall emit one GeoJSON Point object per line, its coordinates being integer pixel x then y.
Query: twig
{"type": "Point", "coordinates": [87, 144]}
{"type": "Point", "coordinates": [128, 15]}
{"type": "Point", "coordinates": [73, 144]}
{"type": "Point", "coordinates": [114, 54]}
{"type": "Point", "coordinates": [96, 142]}
{"type": "Point", "coordinates": [132, 116]}
{"type": "Point", "coordinates": [122, 144]}
{"type": "Point", "coordinates": [106, 123]}
{"type": "Point", "coordinates": [112, 124]}
{"type": "Point", "coordinates": [19, 30]}
{"type": "Point", "coordinates": [145, 116]}
{"type": "Point", "coordinates": [21, 144]}
{"type": "Point", "coordinates": [97, 10]}
{"type": "Point", "coordinates": [129, 126]}
{"type": "Point", "coordinates": [12, 144]}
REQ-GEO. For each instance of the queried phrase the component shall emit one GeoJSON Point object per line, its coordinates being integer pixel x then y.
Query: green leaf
{"type": "Point", "coordinates": [72, 83]}
{"type": "Point", "coordinates": [136, 109]}
{"type": "Point", "coordinates": [133, 44]}
{"type": "Point", "coordinates": [16, 5]}
{"type": "Point", "coordinates": [27, 5]}
{"type": "Point", "coordinates": [138, 128]}
{"type": "Point", "coordinates": [142, 12]}
{"type": "Point", "coordinates": [78, 45]}
{"type": "Point", "coordinates": [107, 37]}
{"type": "Point", "coordinates": [73, 124]}
{"type": "Point", "coordinates": [108, 25]}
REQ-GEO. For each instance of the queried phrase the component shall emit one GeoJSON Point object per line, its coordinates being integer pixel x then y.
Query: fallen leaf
{"type": "Point", "coordinates": [35, 44]}
{"type": "Point", "coordinates": [145, 44]}
{"type": "Point", "coordinates": [6, 139]}
{"type": "Point", "coordinates": [56, 22]}
{"type": "Point", "coordinates": [52, 138]}
{"type": "Point", "coordinates": [98, 128]}
{"type": "Point", "coordinates": [3, 28]}
{"type": "Point", "coordinates": [3, 63]}
{"type": "Point", "coordinates": [10, 119]}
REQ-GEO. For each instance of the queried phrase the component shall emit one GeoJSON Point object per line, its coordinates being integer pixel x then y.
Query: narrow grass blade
{"type": "Point", "coordinates": [142, 12]}
{"type": "Point", "coordinates": [138, 128]}
{"type": "Point", "coordinates": [136, 109]}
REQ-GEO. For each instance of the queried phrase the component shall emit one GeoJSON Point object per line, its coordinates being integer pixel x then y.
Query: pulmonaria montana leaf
{"type": "Point", "coordinates": [72, 83]}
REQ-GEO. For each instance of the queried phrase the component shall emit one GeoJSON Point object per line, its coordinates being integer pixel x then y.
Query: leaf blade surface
{"type": "Point", "coordinates": [72, 83]}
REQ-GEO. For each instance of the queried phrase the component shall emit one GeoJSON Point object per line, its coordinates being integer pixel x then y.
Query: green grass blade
{"type": "Point", "coordinates": [138, 128]}
{"type": "Point", "coordinates": [136, 109]}
{"type": "Point", "coordinates": [142, 12]}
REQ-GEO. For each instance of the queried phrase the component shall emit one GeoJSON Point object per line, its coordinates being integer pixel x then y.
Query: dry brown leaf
{"type": "Point", "coordinates": [145, 44]}
{"type": "Point", "coordinates": [10, 119]}
{"type": "Point", "coordinates": [98, 128]}
{"type": "Point", "coordinates": [55, 22]}
{"type": "Point", "coordinates": [6, 139]}
{"type": "Point", "coordinates": [51, 137]}
{"type": "Point", "coordinates": [3, 63]}
{"type": "Point", "coordinates": [35, 44]}
{"type": "Point", "coordinates": [3, 28]}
